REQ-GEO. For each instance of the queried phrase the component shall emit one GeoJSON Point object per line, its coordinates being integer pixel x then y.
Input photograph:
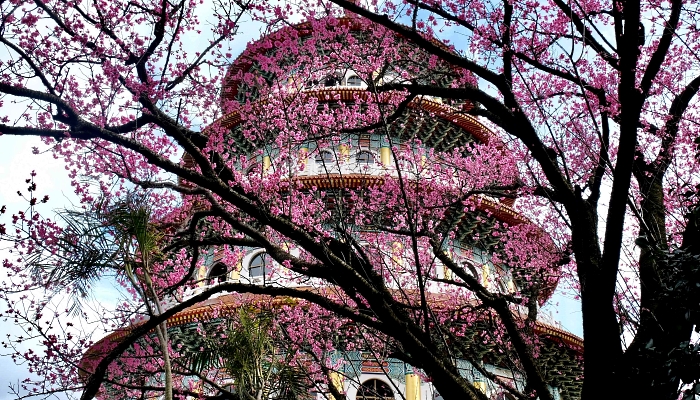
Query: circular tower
{"type": "Point", "coordinates": [321, 126]}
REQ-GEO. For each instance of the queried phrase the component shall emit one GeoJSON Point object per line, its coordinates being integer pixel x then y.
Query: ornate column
{"type": "Point", "coordinates": [412, 386]}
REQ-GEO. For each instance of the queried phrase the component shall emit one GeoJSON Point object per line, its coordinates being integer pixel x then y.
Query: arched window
{"type": "Point", "coordinates": [502, 278]}
{"type": "Point", "coordinates": [326, 158]}
{"type": "Point", "coordinates": [258, 267]}
{"type": "Point", "coordinates": [217, 274]}
{"type": "Point", "coordinates": [331, 80]}
{"type": "Point", "coordinates": [374, 389]}
{"type": "Point", "coordinates": [311, 84]}
{"type": "Point", "coordinates": [364, 158]}
{"type": "Point", "coordinates": [354, 80]}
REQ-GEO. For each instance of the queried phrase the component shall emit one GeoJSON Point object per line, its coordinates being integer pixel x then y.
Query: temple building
{"type": "Point", "coordinates": [337, 168]}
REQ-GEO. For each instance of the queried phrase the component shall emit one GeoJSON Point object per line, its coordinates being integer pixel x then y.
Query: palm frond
{"type": "Point", "coordinates": [252, 357]}
{"type": "Point", "coordinates": [94, 243]}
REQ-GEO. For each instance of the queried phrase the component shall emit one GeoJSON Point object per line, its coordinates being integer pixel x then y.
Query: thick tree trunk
{"type": "Point", "coordinates": [650, 365]}
{"type": "Point", "coordinates": [602, 350]}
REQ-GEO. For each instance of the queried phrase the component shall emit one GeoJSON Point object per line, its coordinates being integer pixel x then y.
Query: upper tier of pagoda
{"type": "Point", "coordinates": [449, 125]}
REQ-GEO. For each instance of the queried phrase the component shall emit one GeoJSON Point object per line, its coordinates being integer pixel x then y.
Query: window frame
{"type": "Point", "coordinates": [263, 266]}
{"type": "Point", "coordinates": [371, 161]}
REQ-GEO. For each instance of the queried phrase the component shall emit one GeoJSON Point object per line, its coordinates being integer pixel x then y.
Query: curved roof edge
{"type": "Point", "coordinates": [228, 304]}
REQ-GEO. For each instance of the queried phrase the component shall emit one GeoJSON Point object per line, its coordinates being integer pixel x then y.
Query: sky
{"type": "Point", "coordinates": [16, 164]}
{"type": "Point", "coordinates": [17, 161]}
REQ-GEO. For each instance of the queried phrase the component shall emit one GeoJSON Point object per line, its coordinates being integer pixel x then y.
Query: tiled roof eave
{"type": "Point", "coordinates": [447, 113]}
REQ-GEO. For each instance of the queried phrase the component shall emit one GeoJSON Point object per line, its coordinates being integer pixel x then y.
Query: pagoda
{"type": "Point", "coordinates": [341, 169]}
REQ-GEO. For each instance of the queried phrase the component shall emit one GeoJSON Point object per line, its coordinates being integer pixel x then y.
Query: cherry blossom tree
{"type": "Point", "coordinates": [580, 115]}
{"type": "Point", "coordinates": [625, 75]}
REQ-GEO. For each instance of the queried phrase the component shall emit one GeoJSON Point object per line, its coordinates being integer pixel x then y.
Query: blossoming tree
{"type": "Point", "coordinates": [580, 115]}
